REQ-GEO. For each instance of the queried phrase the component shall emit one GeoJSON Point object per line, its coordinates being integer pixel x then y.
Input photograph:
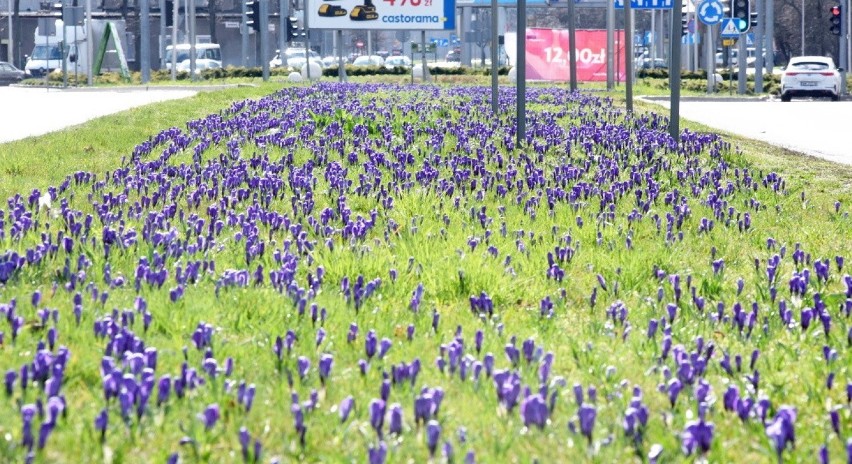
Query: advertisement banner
{"type": "Point", "coordinates": [418, 15]}
{"type": "Point", "coordinates": [547, 54]}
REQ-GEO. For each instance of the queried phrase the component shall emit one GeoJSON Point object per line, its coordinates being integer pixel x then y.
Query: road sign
{"type": "Point", "coordinates": [729, 42]}
{"type": "Point", "coordinates": [646, 4]}
{"type": "Point", "coordinates": [729, 28]}
{"type": "Point", "coordinates": [710, 12]}
{"type": "Point", "coordinates": [750, 39]}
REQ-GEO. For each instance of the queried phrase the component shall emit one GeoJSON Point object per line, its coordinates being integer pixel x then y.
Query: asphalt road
{"type": "Point", "coordinates": [26, 112]}
{"type": "Point", "coordinates": [818, 128]}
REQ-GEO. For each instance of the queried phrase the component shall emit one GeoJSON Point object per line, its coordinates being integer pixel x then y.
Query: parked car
{"type": "Point", "coordinates": [810, 76]}
{"type": "Point", "coordinates": [369, 60]}
{"type": "Point", "coordinates": [200, 65]}
{"type": "Point", "coordinates": [656, 63]}
{"type": "Point", "coordinates": [394, 61]}
{"type": "Point", "coordinates": [454, 55]}
{"type": "Point", "coordinates": [295, 58]}
{"type": "Point", "coordinates": [10, 74]}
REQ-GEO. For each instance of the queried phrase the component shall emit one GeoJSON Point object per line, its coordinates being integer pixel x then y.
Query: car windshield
{"type": "Point", "coordinates": [46, 52]}
{"type": "Point", "coordinates": [809, 66]}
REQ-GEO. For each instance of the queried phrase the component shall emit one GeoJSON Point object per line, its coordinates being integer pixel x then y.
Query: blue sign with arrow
{"type": "Point", "coordinates": [710, 12]}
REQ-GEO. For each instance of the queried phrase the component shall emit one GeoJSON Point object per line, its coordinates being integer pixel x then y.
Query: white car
{"type": "Point", "coordinates": [200, 65]}
{"type": "Point", "coordinates": [814, 76]}
{"type": "Point", "coordinates": [394, 61]}
{"type": "Point", "coordinates": [295, 59]}
{"type": "Point", "coordinates": [371, 60]}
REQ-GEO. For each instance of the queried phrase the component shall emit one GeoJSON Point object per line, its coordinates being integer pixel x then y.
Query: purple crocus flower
{"type": "Point", "coordinates": [384, 346]}
{"type": "Point", "coordinates": [28, 412]}
{"type": "Point", "coordinates": [377, 415]}
{"type": "Point", "coordinates": [346, 408]}
{"type": "Point", "coordinates": [245, 439]}
{"type": "Point", "coordinates": [370, 343]}
{"type": "Point", "coordinates": [534, 411]}
{"type": "Point", "coordinates": [409, 332]}
{"type": "Point", "coordinates": [433, 434]}
{"type": "Point", "coordinates": [325, 363]}
{"type": "Point", "coordinates": [587, 415]}
{"type": "Point", "coordinates": [697, 436]}
{"type": "Point", "coordinates": [101, 422]}
{"type": "Point", "coordinates": [210, 416]}
{"type": "Point", "coordinates": [9, 380]}
{"type": "Point", "coordinates": [822, 455]}
{"type": "Point", "coordinates": [395, 424]}
{"type": "Point", "coordinates": [378, 454]}
{"type": "Point", "coordinates": [302, 366]}
{"type": "Point", "coordinates": [781, 431]}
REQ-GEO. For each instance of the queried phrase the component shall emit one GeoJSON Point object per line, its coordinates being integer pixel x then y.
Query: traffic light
{"type": "Point", "coordinates": [684, 23]}
{"type": "Point", "coordinates": [292, 28]}
{"type": "Point", "coordinates": [742, 11]}
{"type": "Point", "coordinates": [836, 13]}
{"type": "Point", "coordinates": [253, 14]}
{"type": "Point", "coordinates": [754, 20]}
{"type": "Point", "coordinates": [169, 13]}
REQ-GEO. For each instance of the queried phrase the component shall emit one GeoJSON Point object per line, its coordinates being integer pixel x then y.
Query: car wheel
{"type": "Point", "coordinates": [786, 97]}
{"type": "Point", "coordinates": [835, 97]}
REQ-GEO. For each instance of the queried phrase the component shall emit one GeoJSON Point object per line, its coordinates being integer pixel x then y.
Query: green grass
{"type": "Point", "coordinates": [430, 246]}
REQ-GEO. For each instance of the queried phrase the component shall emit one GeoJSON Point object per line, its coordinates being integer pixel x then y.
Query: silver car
{"type": "Point", "coordinates": [10, 74]}
{"type": "Point", "coordinates": [810, 76]}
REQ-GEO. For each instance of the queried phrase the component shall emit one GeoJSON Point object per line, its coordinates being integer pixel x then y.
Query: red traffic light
{"type": "Point", "coordinates": [835, 10]}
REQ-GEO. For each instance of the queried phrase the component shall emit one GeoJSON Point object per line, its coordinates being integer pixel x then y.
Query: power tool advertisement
{"type": "Point", "coordinates": [418, 15]}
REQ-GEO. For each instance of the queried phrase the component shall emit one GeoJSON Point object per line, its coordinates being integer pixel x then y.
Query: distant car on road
{"type": "Point", "coordinates": [810, 76]}
{"type": "Point", "coordinates": [10, 74]}
{"type": "Point", "coordinates": [371, 60]}
{"type": "Point", "coordinates": [394, 61]}
{"type": "Point", "coordinates": [454, 55]}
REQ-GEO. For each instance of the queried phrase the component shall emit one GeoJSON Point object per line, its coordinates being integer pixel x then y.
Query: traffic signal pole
{"type": "Point", "coordinates": [844, 59]}
{"type": "Point", "coordinates": [263, 35]}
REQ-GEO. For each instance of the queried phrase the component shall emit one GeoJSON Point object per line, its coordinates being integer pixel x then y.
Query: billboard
{"type": "Point", "coordinates": [548, 59]}
{"type": "Point", "coordinates": [418, 15]}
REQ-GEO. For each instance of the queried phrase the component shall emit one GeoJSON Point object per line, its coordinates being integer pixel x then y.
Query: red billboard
{"type": "Point", "coordinates": [548, 59]}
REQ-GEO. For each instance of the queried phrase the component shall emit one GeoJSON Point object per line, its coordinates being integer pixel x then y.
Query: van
{"type": "Point", "coordinates": [210, 52]}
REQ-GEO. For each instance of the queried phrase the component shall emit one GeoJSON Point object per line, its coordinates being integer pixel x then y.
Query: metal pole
{"type": "Point", "coordinates": [90, 46]}
{"type": "Point", "coordinates": [244, 34]}
{"type": "Point", "coordinates": [307, 44]}
{"type": "Point", "coordinates": [192, 41]}
{"type": "Point", "coordinates": [610, 45]}
{"type": "Point", "coordinates": [64, 57]}
{"type": "Point", "coordinates": [369, 43]}
{"type": "Point", "coordinates": [283, 14]}
{"type": "Point", "coordinates": [572, 44]}
{"type": "Point", "coordinates": [263, 34]}
{"type": "Point", "coordinates": [144, 41]}
{"type": "Point", "coordinates": [653, 37]}
{"type": "Point", "coordinates": [341, 70]}
{"type": "Point", "coordinates": [11, 46]}
{"type": "Point", "coordinates": [769, 35]}
{"type": "Point", "coordinates": [628, 55]}
{"type": "Point", "coordinates": [494, 57]}
{"type": "Point", "coordinates": [742, 57]}
{"type": "Point", "coordinates": [674, 71]}
{"type": "Point", "coordinates": [758, 42]}
{"type": "Point", "coordinates": [175, 9]}
{"type": "Point", "coordinates": [803, 28]}
{"type": "Point", "coordinates": [711, 59]}
{"type": "Point", "coordinates": [521, 74]}
{"type": "Point", "coordinates": [162, 41]}
{"type": "Point", "coordinates": [423, 56]}
{"type": "Point", "coordinates": [844, 61]}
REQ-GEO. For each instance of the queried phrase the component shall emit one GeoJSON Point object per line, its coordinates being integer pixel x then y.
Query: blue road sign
{"type": "Point", "coordinates": [729, 28]}
{"type": "Point", "coordinates": [710, 12]}
{"type": "Point", "coordinates": [750, 39]}
{"type": "Point", "coordinates": [646, 4]}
